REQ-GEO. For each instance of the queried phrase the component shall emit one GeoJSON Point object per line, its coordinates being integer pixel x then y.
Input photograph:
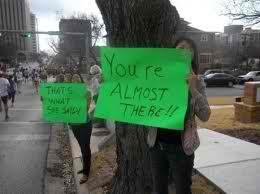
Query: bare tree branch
{"type": "Point", "coordinates": [53, 45]}
{"type": "Point", "coordinates": [247, 11]}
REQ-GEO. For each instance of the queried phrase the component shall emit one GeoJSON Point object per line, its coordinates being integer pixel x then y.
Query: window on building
{"type": "Point", "coordinates": [204, 38]}
{"type": "Point", "coordinates": [205, 58]}
{"type": "Point", "coordinates": [252, 37]}
{"type": "Point", "coordinates": [256, 37]}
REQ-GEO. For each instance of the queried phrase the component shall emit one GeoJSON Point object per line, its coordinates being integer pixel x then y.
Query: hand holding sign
{"type": "Point", "coordinates": [144, 86]}
{"type": "Point", "coordinates": [192, 80]}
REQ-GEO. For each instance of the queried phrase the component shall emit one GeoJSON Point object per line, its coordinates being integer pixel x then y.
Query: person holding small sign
{"type": "Point", "coordinates": [82, 133]}
{"type": "Point", "coordinates": [172, 152]}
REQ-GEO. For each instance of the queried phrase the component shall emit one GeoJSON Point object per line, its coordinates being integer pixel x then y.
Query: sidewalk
{"type": "Point", "coordinates": [233, 165]}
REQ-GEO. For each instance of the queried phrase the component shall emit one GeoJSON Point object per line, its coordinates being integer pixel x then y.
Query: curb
{"type": "Point", "coordinates": [52, 184]}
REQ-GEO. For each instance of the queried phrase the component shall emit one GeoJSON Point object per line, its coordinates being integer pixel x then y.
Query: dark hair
{"type": "Point", "coordinates": [81, 78]}
{"type": "Point", "coordinates": [194, 62]}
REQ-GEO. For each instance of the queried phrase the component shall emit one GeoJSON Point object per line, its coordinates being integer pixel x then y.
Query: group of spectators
{"type": "Point", "coordinates": [171, 150]}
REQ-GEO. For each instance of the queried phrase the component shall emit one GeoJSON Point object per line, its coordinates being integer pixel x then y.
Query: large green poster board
{"type": "Point", "coordinates": [66, 103]}
{"type": "Point", "coordinates": [146, 86]}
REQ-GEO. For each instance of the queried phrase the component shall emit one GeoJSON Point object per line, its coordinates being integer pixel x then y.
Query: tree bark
{"type": "Point", "coordinates": [136, 23]}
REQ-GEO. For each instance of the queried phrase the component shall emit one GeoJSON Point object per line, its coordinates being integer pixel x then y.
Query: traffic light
{"type": "Point", "coordinates": [26, 35]}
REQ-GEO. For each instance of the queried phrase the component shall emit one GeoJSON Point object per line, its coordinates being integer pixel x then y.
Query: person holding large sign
{"type": "Point", "coordinates": [174, 149]}
{"type": "Point", "coordinates": [157, 87]}
{"type": "Point", "coordinates": [82, 133]}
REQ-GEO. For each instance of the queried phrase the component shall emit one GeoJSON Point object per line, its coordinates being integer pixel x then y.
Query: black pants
{"type": "Point", "coordinates": [12, 96]}
{"type": "Point", "coordinates": [82, 132]}
{"type": "Point", "coordinates": [4, 99]}
{"type": "Point", "coordinates": [170, 160]}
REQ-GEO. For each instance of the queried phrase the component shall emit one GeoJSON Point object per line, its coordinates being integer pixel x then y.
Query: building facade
{"type": "Point", "coordinates": [205, 42]}
{"type": "Point", "coordinates": [76, 47]}
{"type": "Point", "coordinates": [15, 15]}
{"type": "Point", "coordinates": [35, 37]}
{"type": "Point", "coordinates": [237, 45]}
{"type": "Point", "coordinates": [250, 42]}
{"type": "Point", "coordinates": [228, 47]}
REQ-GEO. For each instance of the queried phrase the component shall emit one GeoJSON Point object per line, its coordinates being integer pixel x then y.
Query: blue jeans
{"type": "Point", "coordinates": [169, 160]}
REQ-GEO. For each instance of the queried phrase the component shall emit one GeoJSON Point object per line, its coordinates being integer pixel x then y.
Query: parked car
{"type": "Point", "coordinates": [251, 76]}
{"type": "Point", "coordinates": [220, 79]}
{"type": "Point", "coordinates": [212, 71]}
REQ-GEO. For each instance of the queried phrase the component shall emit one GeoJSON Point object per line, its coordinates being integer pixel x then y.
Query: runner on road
{"type": "Point", "coordinates": [36, 82]}
{"type": "Point", "coordinates": [12, 89]}
{"type": "Point", "coordinates": [19, 81]}
{"type": "Point", "coordinates": [4, 84]}
{"type": "Point", "coordinates": [26, 75]}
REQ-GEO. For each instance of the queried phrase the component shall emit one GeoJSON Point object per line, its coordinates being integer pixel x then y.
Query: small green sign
{"type": "Point", "coordinates": [146, 86]}
{"type": "Point", "coordinates": [66, 103]}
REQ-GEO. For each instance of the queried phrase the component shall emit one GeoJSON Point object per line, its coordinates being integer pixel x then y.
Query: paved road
{"type": "Point", "coordinates": [23, 147]}
{"type": "Point", "coordinates": [225, 91]}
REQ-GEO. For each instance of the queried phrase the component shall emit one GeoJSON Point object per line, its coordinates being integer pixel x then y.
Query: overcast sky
{"type": "Point", "coordinates": [202, 14]}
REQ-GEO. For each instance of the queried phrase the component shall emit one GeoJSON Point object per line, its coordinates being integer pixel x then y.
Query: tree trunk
{"type": "Point", "coordinates": [136, 23]}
